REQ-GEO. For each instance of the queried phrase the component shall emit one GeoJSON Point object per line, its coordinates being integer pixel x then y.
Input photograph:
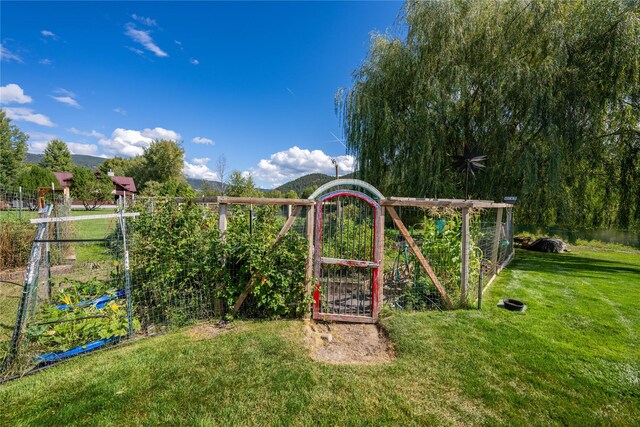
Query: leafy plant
{"type": "Point", "coordinates": [60, 329]}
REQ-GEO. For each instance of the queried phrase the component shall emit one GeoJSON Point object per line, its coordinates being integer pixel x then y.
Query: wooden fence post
{"type": "Point", "coordinates": [464, 249]}
{"type": "Point", "coordinates": [222, 228]}
{"type": "Point", "coordinates": [222, 221]}
{"type": "Point", "coordinates": [308, 277]}
{"type": "Point", "coordinates": [509, 233]}
{"type": "Point", "coordinates": [495, 248]}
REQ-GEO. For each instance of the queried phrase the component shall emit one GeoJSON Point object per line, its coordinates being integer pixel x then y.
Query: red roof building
{"type": "Point", "coordinates": [123, 184]}
{"type": "Point", "coordinates": [64, 178]}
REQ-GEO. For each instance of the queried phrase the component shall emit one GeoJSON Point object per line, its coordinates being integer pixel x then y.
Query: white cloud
{"type": "Point", "coordinates": [146, 21]}
{"type": "Point", "coordinates": [47, 33]}
{"type": "Point", "coordinates": [120, 111]}
{"type": "Point", "coordinates": [202, 140]}
{"type": "Point", "coordinates": [199, 172]}
{"type": "Point", "coordinates": [45, 61]}
{"type": "Point", "coordinates": [93, 133]}
{"type": "Point", "coordinates": [27, 115]}
{"type": "Point", "coordinates": [194, 61]}
{"type": "Point", "coordinates": [66, 100]}
{"type": "Point", "coordinates": [64, 92]}
{"type": "Point", "coordinates": [160, 133]}
{"type": "Point", "coordinates": [178, 42]}
{"type": "Point", "coordinates": [38, 141]}
{"type": "Point", "coordinates": [144, 39]}
{"type": "Point", "coordinates": [130, 143]}
{"type": "Point", "coordinates": [200, 160]}
{"type": "Point", "coordinates": [134, 50]}
{"type": "Point", "coordinates": [77, 148]}
{"type": "Point", "coordinates": [8, 56]}
{"type": "Point", "coordinates": [13, 94]}
{"type": "Point", "coordinates": [295, 162]}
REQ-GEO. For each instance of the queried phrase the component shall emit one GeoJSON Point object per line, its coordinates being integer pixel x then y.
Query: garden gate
{"type": "Point", "coordinates": [347, 253]}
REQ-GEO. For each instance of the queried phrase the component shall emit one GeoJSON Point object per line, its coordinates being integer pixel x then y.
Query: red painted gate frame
{"type": "Point", "coordinates": [377, 264]}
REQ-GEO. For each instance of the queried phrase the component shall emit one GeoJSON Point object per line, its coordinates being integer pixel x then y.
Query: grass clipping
{"type": "Point", "coordinates": [344, 343]}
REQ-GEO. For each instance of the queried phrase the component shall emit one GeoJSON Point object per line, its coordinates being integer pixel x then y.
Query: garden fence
{"type": "Point", "coordinates": [95, 281]}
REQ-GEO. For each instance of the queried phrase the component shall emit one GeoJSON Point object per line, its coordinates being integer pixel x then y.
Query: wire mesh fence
{"type": "Point", "coordinates": [92, 282]}
{"type": "Point", "coordinates": [437, 232]}
{"type": "Point", "coordinates": [73, 297]}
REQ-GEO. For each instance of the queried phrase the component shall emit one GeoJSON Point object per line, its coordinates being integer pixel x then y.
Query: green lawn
{"type": "Point", "coordinates": [571, 359]}
{"type": "Point", "coordinates": [89, 229]}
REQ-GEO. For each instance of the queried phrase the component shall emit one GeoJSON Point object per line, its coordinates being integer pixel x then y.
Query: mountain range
{"type": "Point", "coordinates": [298, 185]}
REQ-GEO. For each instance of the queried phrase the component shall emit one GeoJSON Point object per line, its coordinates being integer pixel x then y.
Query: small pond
{"type": "Point", "coordinates": [629, 238]}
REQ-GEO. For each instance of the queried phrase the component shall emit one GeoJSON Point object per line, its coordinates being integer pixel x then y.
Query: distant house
{"type": "Point", "coordinates": [64, 178]}
{"type": "Point", "coordinates": [122, 185]}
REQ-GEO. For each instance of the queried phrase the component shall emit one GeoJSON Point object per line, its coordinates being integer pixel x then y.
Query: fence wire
{"type": "Point", "coordinates": [187, 261]}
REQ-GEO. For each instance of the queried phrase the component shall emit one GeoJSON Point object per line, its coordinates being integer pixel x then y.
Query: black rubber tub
{"type": "Point", "coordinates": [513, 304]}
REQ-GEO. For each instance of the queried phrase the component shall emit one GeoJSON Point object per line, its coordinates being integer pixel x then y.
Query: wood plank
{"type": "Point", "coordinates": [260, 201]}
{"type": "Point", "coordinates": [81, 217]}
{"type": "Point", "coordinates": [453, 203]}
{"type": "Point", "coordinates": [283, 231]}
{"type": "Point", "coordinates": [349, 262]}
{"type": "Point", "coordinates": [222, 221]}
{"type": "Point", "coordinates": [344, 318]}
{"type": "Point", "coordinates": [308, 277]}
{"type": "Point", "coordinates": [416, 250]}
{"type": "Point", "coordinates": [464, 252]}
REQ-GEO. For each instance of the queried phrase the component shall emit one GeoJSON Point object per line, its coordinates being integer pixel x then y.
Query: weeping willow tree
{"type": "Point", "coordinates": [548, 90]}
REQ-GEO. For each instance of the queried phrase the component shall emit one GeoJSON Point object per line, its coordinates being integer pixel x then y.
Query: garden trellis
{"type": "Point", "coordinates": [340, 255]}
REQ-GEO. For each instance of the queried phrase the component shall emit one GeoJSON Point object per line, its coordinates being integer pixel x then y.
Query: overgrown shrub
{"type": "Point", "coordinates": [180, 265]}
{"type": "Point", "coordinates": [16, 238]}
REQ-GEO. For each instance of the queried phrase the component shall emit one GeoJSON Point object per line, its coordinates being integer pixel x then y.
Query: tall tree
{"type": "Point", "coordinates": [34, 177]}
{"type": "Point", "coordinates": [221, 167]}
{"type": "Point", "coordinates": [163, 161]}
{"type": "Point", "coordinates": [548, 90]}
{"type": "Point", "coordinates": [57, 157]}
{"type": "Point", "coordinates": [13, 149]}
{"type": "Point", "coordinates": [240, 185]}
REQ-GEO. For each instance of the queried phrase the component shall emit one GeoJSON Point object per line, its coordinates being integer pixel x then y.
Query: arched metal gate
{"type": "Point", "coordinates": [348, 256]}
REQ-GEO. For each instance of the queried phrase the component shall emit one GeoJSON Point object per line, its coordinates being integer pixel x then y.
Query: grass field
{"type": "Point", "coordinates": [571, 359]}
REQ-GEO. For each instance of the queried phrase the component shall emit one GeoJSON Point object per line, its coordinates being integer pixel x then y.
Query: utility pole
{"type": "Point", "coordinates": [335, 163]}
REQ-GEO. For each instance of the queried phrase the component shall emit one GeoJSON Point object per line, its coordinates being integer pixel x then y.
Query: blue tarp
{"type": "Point", "coordinates": [59, 355]}
{"type": "Point", "coordinates": [99, 302]}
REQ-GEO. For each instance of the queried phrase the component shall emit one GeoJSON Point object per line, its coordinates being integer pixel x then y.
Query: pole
{"type": "Point", "coordinates": [127, 275]}
{"type": "Point", "coordinates": [20, 212]}
{"type": "Point", "coordinates": [464, 249]}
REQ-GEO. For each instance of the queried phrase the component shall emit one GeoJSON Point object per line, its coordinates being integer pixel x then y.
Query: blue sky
{"type": "Point", "coordinates": [254, 82]}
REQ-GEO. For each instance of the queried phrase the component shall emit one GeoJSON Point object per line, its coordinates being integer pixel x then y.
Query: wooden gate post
{"type": "Point", "coordinates": [222, 227]}
{"type": "Point", "coordinates": [495, 248]}
{"type": "Point", "coordinates": [380, 261]}
{"type": "Point", "coordinates": [464, 249]}
{"type": "Point", "coordinates": [308, 276]}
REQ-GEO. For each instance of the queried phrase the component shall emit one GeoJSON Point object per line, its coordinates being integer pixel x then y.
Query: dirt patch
{"type": "Point", "coordinates": [203, 331]}
{"type": "Point", "coordinates": [346, 343]}
{"type": "Point", "coordinates": [17, 274]}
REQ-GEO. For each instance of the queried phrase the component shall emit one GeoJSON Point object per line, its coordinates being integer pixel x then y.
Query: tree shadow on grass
{"type": "Point", "coordinates": [572, 264]}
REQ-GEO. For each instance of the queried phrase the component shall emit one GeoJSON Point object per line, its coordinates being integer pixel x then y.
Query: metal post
{"type": "Point", "coordinates": [464, 249]}
{"type": "Point", "coordinates": [20, 212]}
{"type": "Point", "coordinates": [127, 275]}
{"type": "Point", "coordinates": [480, 280]}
